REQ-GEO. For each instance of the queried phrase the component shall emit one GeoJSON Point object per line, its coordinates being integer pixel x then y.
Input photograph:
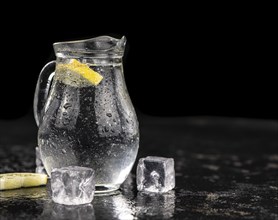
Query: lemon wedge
{"type": "Point", "coordinates": [18, 180]}
{"type": "Point", "coordinates": [82, 69]}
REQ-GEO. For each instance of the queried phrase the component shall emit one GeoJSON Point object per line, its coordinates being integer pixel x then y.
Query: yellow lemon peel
{"type": "Point", "coordinates": [82, 69]}
{"type": "Point", "coordinates": [18, 180]}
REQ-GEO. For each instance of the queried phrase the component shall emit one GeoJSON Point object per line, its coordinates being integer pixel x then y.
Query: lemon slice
{"type": "Point", "coordinates": [82, 69]}
{"type": "Point", "coordinates": [18, 180]}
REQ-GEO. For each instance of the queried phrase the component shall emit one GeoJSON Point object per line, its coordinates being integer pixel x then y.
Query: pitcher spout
{"type": "Point", "coordinates": [121, 44]}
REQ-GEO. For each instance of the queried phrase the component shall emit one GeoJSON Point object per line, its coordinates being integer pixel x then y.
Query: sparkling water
{"type": "Point", "coordinates": [90, 126]}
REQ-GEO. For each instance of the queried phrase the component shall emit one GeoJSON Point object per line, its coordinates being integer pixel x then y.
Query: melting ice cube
{"type": "Point", "coordinates": [155, 174]}
{"type": "Point", "coordinates": [72, 185]}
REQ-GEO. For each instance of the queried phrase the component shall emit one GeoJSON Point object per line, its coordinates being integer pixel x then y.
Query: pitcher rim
{"type": "Point", "coordinates": [92, 46]}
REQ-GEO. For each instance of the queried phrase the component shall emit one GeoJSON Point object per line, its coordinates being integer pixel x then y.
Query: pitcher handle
{"type": "Point", "coordinates": [42, 89]}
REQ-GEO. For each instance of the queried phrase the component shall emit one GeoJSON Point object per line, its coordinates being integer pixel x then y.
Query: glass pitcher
{"type": "Point", "coordinates": [84, 124]}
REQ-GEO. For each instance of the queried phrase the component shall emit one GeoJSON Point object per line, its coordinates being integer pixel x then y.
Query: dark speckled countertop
{"type": "Point", "coordinates": [226, 168]}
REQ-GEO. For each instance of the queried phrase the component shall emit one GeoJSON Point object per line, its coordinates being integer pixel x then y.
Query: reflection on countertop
{"type": "Point", "coordinates": [225, 168]}
{"type": "Point", "coordinates": [112, 206]}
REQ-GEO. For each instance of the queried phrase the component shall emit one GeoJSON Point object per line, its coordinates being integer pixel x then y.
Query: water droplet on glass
{"type": "Point", "coordinates": [67, 105]}
{"type": "Point", "coordinates": [87, 162]}
{"type": "Point", "coordinates": [66, 122]}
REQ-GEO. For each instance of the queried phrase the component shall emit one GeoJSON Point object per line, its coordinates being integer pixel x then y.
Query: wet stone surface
{"type": "Point", "coordinates": [225, 168]}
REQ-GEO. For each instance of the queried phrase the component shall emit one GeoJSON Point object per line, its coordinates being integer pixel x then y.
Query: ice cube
{"type": "Point", "coordinates": [72, 185]}
{"type": "Point", "coordinates": [155, 174]}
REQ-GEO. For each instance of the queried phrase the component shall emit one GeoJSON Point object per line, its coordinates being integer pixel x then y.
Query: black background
{"type": "Point", "coordinates": [186, 62]}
